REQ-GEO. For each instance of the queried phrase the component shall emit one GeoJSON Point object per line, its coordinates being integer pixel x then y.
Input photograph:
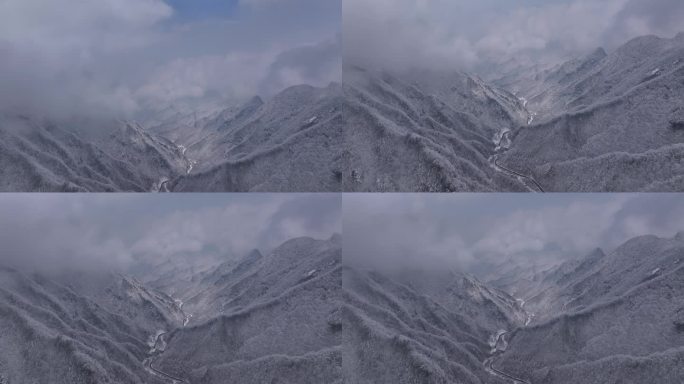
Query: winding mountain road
{"type": "Point", "coordinates": [489, 362]}
{"type": "Point", "coordinates": [163, 186]}
{"type": "Point", "coordinates": [147, 364]}
{"type": "Point", "coordinates": [158, 348]}
{"type": "Point", "coordinates": [189, 166]}
{"type": "Point", "coordinates": [502, 145]}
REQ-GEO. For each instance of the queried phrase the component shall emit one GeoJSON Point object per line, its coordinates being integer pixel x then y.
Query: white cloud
{"type": "Point", "coordinates": [232, 75]}
{"type": "Point", "coordinates": [574, 228]}
{"type": "Point", "coordinates": [55, 231]}
{"type": "Point", "coordinates": [472, 231]}
{"type": "Point", "coordinates": [79, 27]}
{"type": "Point", "coordinates": [448, 34]}
{"type": "Point", "coordinates": [113, 58]}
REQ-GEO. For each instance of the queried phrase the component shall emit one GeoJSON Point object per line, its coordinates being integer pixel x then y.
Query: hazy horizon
{"type": "Point", "coordinates": [56, 231]}
{"type": "Point", "coordinates": [120, 58]}
{"type": "Point", "coordinates": [467, 35]}
{"type": "Point", "coordinates": [474, 232]}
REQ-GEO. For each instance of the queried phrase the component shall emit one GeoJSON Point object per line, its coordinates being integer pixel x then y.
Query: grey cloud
{"type": "Point", "coordinates": [471, 232]}
{"type": "Point", "coordinates": [400, 34]}
{"type": "Point", "coordinates": [115, 231]}
{"type": "Point", "coordinates": [640, 17]}
{"type": "Point", "coordinates": [460, 34]}
{"type": "Point", "coordinates": [117, 58]}
{"type": "Point", "coordinates": [317, 65]}
{"type": "Point", "coordinates": [395, 231]}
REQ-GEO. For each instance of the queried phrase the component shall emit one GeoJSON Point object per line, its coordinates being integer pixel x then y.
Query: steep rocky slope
{"type": "Point", "coordinates": [605, 121]}
{"type": "Point", "coordinates": [61, 329]}
{"type": "Point", "coordinates": [272, 318]}
{"type": "Point", "coordinates": [40, 156]}
{"type": "Point", "coordinates": [289, 143]}
{"type": "Point", "coordinates": [425, 131]}
{"type": "Point", "coordinates": [614, 318]}
{"type": "Point", "coordinates": [608, 122]}
{"type": "Point", "coordinates": [422, 327]}
{"type": "Point", "coordinates": [292, 142]}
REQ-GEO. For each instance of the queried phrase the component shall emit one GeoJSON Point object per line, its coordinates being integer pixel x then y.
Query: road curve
{"type": "Point", "coordinates": [147, 363]}
{"type": "Point", "coordinates": [514, 173]}
{"type": "Point", "coordinates": [502, 144]}
{"type": "Point", "coordinates": [489, 364]}
{"type": "Point", "coordinates": [163, 187]}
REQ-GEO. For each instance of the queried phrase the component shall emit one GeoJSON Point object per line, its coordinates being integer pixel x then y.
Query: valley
{"type": "Point", "coordinates": [95, 331]}
{"type": "Point", "coordinates": [585, 316]}
{"type": "Point", "coordinates": [604, 122]}
{"type": "Point", "coordinates": [298, 314]}
{"type": "Point", "coordinates": [291, 142]}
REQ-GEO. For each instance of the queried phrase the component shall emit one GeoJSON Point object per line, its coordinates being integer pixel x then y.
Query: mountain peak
{"type": "Point", "coordinates": [598, 53]}
{"type": "Point", "coordinates": [254, 254]}
{"type": "Point", "coordinates": [597, 253]}
{"type": "Point", "coordinates": [336, 238]}
{"type": "Point", "coordinates": [255, 101]}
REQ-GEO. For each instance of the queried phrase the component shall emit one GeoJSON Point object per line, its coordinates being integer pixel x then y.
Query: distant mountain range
{"type": "Point", "coordinates": [292, 142]}
{"type": "Point", "coordinates": [602, 122]}
{"type": "Point", "coordinates": [608, 317]}
{"type": "Point", "coordinates": [299, 314]}
{"type": "Point", "coordinates": [260, 318]}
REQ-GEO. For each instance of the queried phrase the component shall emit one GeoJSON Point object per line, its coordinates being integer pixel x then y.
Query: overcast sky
{"type": "Point", "coordinates": [465, 231]}
{"type": "Point", "coordinates": [113, 231]}
{"type": "Point", "coordinates": [117, 57]}
{"type": "Point", "coordinates": [448, 34]}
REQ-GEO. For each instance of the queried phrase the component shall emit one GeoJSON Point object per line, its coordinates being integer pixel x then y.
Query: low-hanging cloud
{"type": "Point", "coordinates": [116, 232]}
{"type": "Point", "coordinates": [463, 34]}
{"type": "Point", "coordinates": [471, 232]}
{"type": "Point", "coordinates": [118, 58]}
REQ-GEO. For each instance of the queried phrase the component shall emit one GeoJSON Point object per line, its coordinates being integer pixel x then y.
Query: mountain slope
{"type": "Point", "coordinates": [38, 156]}
{"type": "Point", "coordinates": [292, 142]}
{"type": "Point", "coordinates": [424, 131]}
{"type": "Point", "coordinates": [608, 122]}
{"type": "Point", "coordinates": [64, 330]}
{"type": "Point", "coordinates": [422, 327]}
{"type": "Point", "coordinates": [620, 319]}
{"type": "Point", "coordinates": [271, 318]}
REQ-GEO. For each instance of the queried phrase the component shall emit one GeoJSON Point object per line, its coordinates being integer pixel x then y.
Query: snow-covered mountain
{"type": "Point", "coordinates": [298, 314]}
{"type": "Point", "coordinates": [612, 318]}
{"type": "Point", "coordinates": [40, 156]}
{"type": "Point", "coordinates": [426, 131]}
{"type": "Point", "coordinates": [78, 329]}
{"type": "Point", "coordinates": [262, 318]}
{"type": "Point", "coordinates": [419, 326]}
{"type": "Point", "coordinates": [606, 121]}
{"type": "Point", "coordinates": [266, 318]}
{"type": "Point", "coordinates": [291, 142]}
